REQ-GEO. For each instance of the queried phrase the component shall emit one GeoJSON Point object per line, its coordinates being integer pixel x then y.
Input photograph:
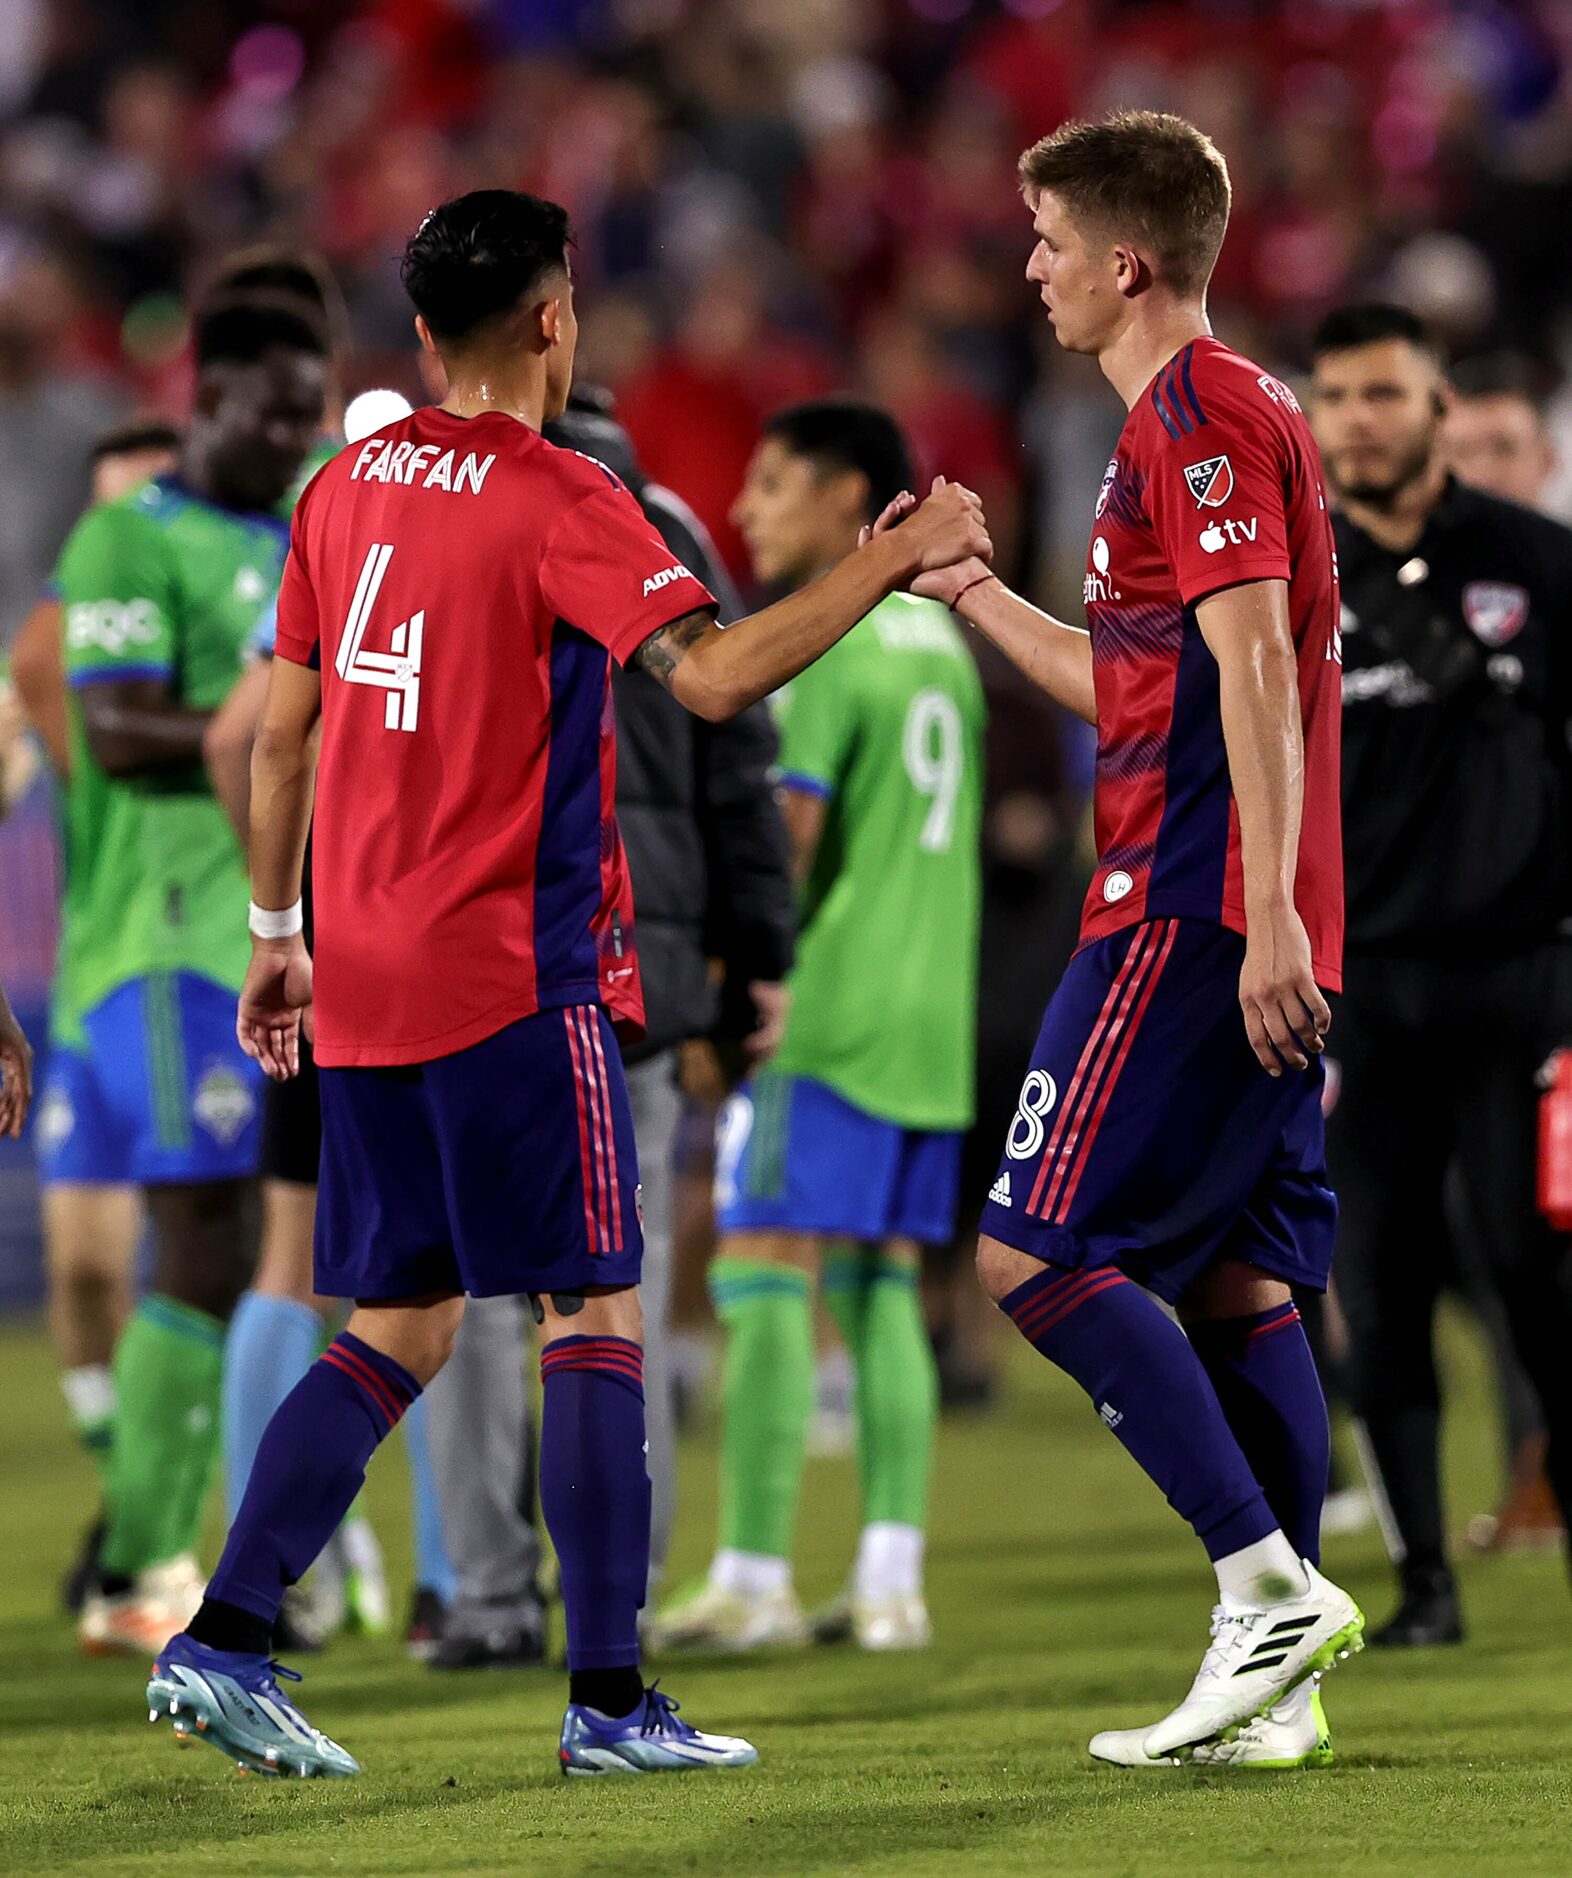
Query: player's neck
{"type": "Point", "coordinates": [479, 387]}
{"type": "Point", "coordinates": [1147, 343]}
{"type": "Point", "coordinates": [1396, 522]}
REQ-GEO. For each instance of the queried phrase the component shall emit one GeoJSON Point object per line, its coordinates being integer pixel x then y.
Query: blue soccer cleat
{"type": "Point", "coordinates": [233, 1702]}
{"type": "Point", "coordinates": [649, 1741]}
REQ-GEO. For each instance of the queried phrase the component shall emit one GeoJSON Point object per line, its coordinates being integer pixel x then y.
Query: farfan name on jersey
{"type": "Point", "coordinates": [426, 463]}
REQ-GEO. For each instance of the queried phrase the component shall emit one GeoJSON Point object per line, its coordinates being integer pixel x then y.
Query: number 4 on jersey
{"type": "Point", "coordinates": [397, 672]}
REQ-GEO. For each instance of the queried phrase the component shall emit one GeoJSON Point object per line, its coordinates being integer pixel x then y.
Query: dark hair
{"type": "Point", "coordinates": [241, 331]}
{"type": "Point", "coordinates": [275, 273]}
{"type": "Point", "coordinates": [1373, 323]}
{"type": "Point", "coordinates": [1146, 175]}
{"type": "Point", "coordinates": [478, 255]}
{"type": "Point", "coordinates": [1503, 375]}
{"type": "Point", "coordinates": [844, 434]}
{"type": "Point", "coordinates": [134, 440]}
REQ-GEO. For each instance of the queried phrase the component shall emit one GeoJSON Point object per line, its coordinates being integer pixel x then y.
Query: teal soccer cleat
{"type": "Point", "coordinates": [233, 1702]}
{"type": "Point", "coordinates": [649, 1741]}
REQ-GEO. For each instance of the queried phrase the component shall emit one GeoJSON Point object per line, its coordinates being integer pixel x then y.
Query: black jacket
{"type": "Point", "coordinates": [707, 848]}
{"type": "Point", "coordinates": [1457, 691]}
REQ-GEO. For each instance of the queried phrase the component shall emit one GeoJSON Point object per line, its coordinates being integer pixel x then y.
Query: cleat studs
{"type": "Point", "coordinates": [174, 1705]}
{"type": "Point", "coordinates": [272, 1757]}
{"type": "Point", "coordinates": [152, 1714]}
{"type": "Point", "coordinates": [201, 1726]}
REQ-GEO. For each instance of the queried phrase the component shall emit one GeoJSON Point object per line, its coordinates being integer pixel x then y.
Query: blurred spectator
{"type": "Point", "coordinates": [50, 414]}
{"type": "Point", "coordinates": [1495, 435]}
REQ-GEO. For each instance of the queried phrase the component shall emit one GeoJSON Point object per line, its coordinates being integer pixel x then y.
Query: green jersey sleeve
{"type": "Point", "coordinates": [816, 716]}
{"type": "Point", "coordinates": [116, 584]}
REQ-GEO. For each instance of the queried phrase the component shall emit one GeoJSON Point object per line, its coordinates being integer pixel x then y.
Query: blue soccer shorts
{"type": "Point", "coordinates": [1149, 1137]}
{"type": "Point", "coordinates": [502, 1169]}
{"type": "Point", "coordinates": [159, 1093]}
{"type": "Point", "coordinates": [794, 1156]}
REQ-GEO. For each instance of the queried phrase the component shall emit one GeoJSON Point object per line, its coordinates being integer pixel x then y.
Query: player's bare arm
{"type": "Point", "coordinates": [133, 724]}
{"type": "Point", "coordinates": [717, 671]}
{"type": "Point", "coordinates": [38, 671]}
{"type": "Point", "coordinates": [276, 998]}
{"type": "Point", "coordinates": [804, 815]}
{"type": "Point", "coordinates": [16, 1071]}
{"type": "Point", "coordinates": [1247, 631]}
{"type": "Point", "coordinates": [1056, 657]}
{"type": "Point", "coordinates": [227, 744]}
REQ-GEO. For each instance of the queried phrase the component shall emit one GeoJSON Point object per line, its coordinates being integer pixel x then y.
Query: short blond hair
{"type": "Point", "coordinates": [1149, 177]}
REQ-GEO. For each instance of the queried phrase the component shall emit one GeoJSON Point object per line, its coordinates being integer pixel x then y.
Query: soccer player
{"type": "Point", "coordinates": [1169, 1135]}
{"type": "Point", "coordinates": [90, 1231]}
{"type": "Point", "coordinates": [161, 592]}
{"type": "Point", "coordinates": [455, 590]}
{"type": "Point", "coordinates": [844, 1156]}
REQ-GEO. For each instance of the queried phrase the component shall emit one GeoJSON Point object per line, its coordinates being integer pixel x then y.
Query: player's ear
{"type": "Point", "coordinates": [423, 334]}
{"type": "Point", "coordinates": [1131, 273]}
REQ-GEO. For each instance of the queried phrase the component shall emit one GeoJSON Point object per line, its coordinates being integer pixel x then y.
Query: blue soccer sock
{"type": "Point", "coordinates": [1265, 1377]}
{"type": "Point", "coordinates": [595, 1495]}
{"type": "Point", "coordinates": [434, 1568]}
{"type": "Point", "coordinates": [1150, 1389]}
{"type": "Point", "coordinates": [270, 1346]}
{"type": "Point", "coordinates": [309, 1466]}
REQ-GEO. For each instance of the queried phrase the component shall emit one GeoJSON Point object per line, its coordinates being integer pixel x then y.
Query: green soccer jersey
{"type": "Point", "coordinates": [158, 585]}
{"type": "Point", "coordinates": [888, 727]}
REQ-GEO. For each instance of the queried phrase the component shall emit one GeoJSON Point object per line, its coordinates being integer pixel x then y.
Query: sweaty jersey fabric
{"type": "Point", "coordinates": [1216, 482]}
{"type": "Point", "coordinates": [461, 582]}
{"type": "Point", "coordinates": [888, 727]}
{"type": "Point", "coordinates": [162, 585]}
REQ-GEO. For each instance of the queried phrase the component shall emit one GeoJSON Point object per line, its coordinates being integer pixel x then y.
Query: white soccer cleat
{"type": "Point", "coordinates": [728, 1622]}
{"type": "Point", "coordinates": [1293, 1734]}
{"type": "Point", "coordinates": [1255, 1658]}
{"type": "Point", "coordinates": [177, 1583]}
{"type": "Point", "coordinates": [895, 1623]}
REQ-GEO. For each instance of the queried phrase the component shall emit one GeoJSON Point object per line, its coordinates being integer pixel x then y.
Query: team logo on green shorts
{"type": "Point", "coordinates": [223, 1104]}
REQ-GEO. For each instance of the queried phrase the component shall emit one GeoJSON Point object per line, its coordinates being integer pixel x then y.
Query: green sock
{"type": "Point", "coordinates": [766, 1399]}
{"type": "Point", "coordinates": [90, 1399]}
{"type": "Point", "coordinates": [169, 1367]}
{"type": "Point", "coordinates": [874, 1300]}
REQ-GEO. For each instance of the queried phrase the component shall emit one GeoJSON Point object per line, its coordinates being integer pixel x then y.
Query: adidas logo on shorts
{"type": "Point", "coordinates": [999, 1192]}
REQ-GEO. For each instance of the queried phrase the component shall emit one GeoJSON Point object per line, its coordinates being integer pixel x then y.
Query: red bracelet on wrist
{"type": "Point", "coordinates": [955, 603]}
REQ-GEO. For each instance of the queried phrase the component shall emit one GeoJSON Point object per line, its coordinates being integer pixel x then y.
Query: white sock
{"type": "Point", "coordinates": [889, 1561]}
{"type": "Point", "coordinates": [89, 1393]}
{"type": "Point", "coordinates": [1258, 1576]}
{"type": "Point", "coordinates": [750, 1574]}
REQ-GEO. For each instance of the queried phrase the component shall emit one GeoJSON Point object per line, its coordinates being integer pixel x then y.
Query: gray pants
{"type": "Point", "coordinates": [478, 1408]}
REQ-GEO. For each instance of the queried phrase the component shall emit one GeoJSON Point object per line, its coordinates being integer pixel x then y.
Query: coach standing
{"type": "Point", "coordinates": [1457, 692]}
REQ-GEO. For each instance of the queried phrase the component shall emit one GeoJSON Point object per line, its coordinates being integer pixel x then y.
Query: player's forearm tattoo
{"type": "Point", "coordinates": [663, 651]}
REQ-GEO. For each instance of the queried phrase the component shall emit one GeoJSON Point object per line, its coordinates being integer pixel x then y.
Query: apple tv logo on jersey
{"type": "Point", "coordinates": [1219, 535]}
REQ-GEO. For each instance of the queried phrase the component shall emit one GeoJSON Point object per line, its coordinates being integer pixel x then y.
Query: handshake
{"type": "Point", "coordinates": [945, 537]}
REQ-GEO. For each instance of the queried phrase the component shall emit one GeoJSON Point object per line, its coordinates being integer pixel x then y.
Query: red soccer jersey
{"type": "Point", "coordinates": [461, 582]}
{"type": "Point", "coordinates": [1216, 481]}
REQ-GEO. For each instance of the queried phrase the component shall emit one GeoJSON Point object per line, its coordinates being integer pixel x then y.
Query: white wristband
{"type": "Point", "coordinates": [284, 923]}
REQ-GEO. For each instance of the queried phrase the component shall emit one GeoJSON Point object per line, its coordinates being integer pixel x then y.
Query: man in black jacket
{"type": "Point", "coordinates": [711, 881]}
{"type": "Point", "coordinates": [1457, 695]}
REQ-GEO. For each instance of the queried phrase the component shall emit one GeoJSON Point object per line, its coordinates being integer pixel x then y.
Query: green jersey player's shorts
{"type": "Point", "coordinates": [154, 1090]}
{"type": "Point", "coordinates": [793, 1155]}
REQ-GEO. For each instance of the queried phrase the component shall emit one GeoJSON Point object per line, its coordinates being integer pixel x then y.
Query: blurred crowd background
{"type": "Point", "coordinates": [771, 200]}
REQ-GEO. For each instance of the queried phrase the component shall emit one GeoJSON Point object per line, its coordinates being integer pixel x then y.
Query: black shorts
{"type": "Point", "coordinates": [292, 1127]}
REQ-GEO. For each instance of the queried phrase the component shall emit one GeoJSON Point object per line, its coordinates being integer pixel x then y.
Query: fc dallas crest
{"type": "Point", "coordinates": [1211, 482]}
{"type": "Point", "coordinates": [1495, 610]}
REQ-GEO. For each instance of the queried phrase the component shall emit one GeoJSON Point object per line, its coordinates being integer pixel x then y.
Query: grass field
{"type": "Point", "coordinates": [1065, 1598]}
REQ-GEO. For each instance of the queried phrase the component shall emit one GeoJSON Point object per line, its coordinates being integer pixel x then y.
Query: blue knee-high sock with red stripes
{"type": "Point", "coordinates": [1265, 1377]}
{"type": "Point", "coordinates": [309, 1465]}
{"type": "Point", "coordinates": [1149, 1387]}
{"type": "Point", "coordinates": [595, 1493]}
